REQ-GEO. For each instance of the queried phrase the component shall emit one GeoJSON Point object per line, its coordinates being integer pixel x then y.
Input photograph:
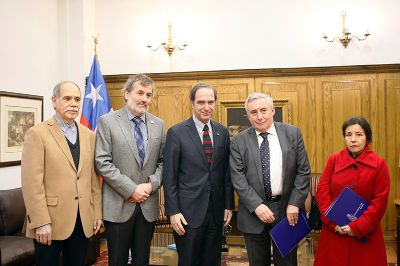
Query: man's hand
{"type": "Point", "coordinates": [43, 234]}
{"type": "Point", "coordinates": [141, 193]}
{"type": "Point", "coordinates": [264, 214]}
{"type": "Point", "coordinates": [177, 221]}
{"type": "Point", "coordinates": [227, 217]}
{"type": "Point", "coordinates": [97, 225]}
{"type": "Point", "coordinates": [292, 214]}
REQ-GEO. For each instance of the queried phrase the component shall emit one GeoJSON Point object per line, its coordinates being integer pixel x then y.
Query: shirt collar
{"type": "Point", "coordinates": [64, 126]}
{"type": "Point", "coordinates": [131, 116]}
{"type": "Point", "coordinates": [271, 130]}
{"type": "Point", "coordinates": [200, 124]}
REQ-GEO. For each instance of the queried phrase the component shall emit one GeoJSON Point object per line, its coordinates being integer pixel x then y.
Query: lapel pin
{"type": "Point", "coordinates": [151, 122]}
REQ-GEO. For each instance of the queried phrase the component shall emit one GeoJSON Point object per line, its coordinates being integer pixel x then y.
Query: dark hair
{"type": "Point", "coordinates": [195, 88]}
{"type": "Point", "coordinates": [358, 120]}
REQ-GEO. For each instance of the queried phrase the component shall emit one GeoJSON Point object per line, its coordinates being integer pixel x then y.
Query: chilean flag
{"type": "Point", "coordinates": [96, 102]}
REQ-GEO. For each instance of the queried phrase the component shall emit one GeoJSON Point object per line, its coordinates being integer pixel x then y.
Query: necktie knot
{"type": "Point", "coordinates": [264, 135]}
{"type": "Point", "coordinates": [205, 128]}
{"type": "Point", "coordinates": [137, 120]}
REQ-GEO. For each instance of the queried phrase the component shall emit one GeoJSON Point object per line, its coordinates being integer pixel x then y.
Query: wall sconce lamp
{"type": "Point", "coordinates": [346, 38]}
{"type": "Point", "coordinates": [168, 47]}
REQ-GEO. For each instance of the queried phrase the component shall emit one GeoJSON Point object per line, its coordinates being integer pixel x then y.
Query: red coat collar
{"type": "Point", "coordinates": [344, 159]}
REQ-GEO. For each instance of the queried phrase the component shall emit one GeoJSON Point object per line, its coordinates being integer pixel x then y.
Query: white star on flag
{"type": "Point", "coordinates": [94, 95]}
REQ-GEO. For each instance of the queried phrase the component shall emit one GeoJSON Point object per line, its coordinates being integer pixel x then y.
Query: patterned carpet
{"type": "Point", "coordinates": [227, 260]}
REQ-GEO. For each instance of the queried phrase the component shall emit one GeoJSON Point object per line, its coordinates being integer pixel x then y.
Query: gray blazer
{"type": "Point", "coordinates": [117, 161]}
{"type": "Point", "coordinates": [246, 174]}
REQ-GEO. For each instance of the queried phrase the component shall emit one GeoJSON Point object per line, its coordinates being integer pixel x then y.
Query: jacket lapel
{"type": "Point", "coordinates": [254, 147]}
{"type": "Point", "coordinates": [194, 135]}
{"type": "Point", "coordinates": [83, 146]}
{"type": "Point", "coordinates": [126, 129]}
{"type": "Point", "coordinates": [151, 130]}
{"type": "Point", "coordinates": [284, 146]}
{"type": "Point", "coordinates": [59, 137]}
{"type": "Point", "coordinates": [216, 142]}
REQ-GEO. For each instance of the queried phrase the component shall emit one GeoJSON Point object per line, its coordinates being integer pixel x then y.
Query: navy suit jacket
{"type": "Point", "coordinates": [189, 183]}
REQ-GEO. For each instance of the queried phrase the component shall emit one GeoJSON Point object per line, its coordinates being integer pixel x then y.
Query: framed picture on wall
{"type": "Point", "coordinates": [233, 114]}
{"type": "Point", "coordinates": [18, 112]}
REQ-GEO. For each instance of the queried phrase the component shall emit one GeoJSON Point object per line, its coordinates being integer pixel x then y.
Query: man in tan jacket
{"type": "Point", "coordinates": [60, 186]}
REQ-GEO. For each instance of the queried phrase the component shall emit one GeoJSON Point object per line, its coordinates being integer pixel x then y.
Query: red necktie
{"type": "Point", "coordinates": [207, 145]}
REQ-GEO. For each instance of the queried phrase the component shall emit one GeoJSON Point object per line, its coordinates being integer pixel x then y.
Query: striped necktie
{"type": "Point", "coordinates": [207, 145]}
{"type": "Point", "coordinates": [139, 138]}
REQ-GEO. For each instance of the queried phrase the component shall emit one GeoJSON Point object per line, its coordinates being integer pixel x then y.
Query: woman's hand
{"type": "Point", "coordinates": [347, 230]}
{"type": "Point", "coordinates": [338, 230]}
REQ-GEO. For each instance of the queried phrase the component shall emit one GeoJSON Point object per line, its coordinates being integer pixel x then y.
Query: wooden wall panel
{"type": "Point", "coordinates": [388, 139]}
{"type": "Point", "coordinates": [300, 93]}
{"type": "Point", "coordinates": [341, 98]}
{"type": "Point", "coordinates": [320, 100]}
{"type": "Point", "coordinates": [230, 90]}
{"type": "Point", "coordinates": [115, 92]}
{"type": "Point", "coordinates": [171, 101]}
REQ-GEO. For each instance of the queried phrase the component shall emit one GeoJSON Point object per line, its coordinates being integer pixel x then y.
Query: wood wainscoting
{"type": "Point", "coordinates": [317, 99]}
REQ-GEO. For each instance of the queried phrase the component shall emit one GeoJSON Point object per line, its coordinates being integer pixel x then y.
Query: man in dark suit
{"type": "Point", "coordinates": [270, 173]}
{"type": "Point", "coordinates": [129, 149]}
{"type": "Point", "coordinates": [197, 184]}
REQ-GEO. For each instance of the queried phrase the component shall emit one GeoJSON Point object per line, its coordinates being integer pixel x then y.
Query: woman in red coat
{"type": "Point", "coordinates": [362, 170]}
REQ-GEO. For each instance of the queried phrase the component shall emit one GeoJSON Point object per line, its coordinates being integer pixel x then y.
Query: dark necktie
{"type": "Point", "coordinates": [207, 145]}
{"type": "Point", "coordinates": [139, 138]}
{"type": "Point", "coordinates": [265, 165]}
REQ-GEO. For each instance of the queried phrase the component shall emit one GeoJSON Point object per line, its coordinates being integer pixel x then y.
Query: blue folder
{"type": "Point", "coordinates": [286, 237]}
{"type": "Point", "coordinates": [347, 207]}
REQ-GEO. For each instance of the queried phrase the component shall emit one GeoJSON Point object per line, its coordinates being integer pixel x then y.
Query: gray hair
{"type": "Point", "coordinates": [57, 88]}
{"type": "Point", "coordinates": [257, 95]}
{"type": "Point", "coordinates": [141, 79]}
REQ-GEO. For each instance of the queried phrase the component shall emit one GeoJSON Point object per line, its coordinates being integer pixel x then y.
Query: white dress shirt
{"type": "Point", "coordinates": [275, 152]}
{"type": "Point", "coordinates": [200, 125]}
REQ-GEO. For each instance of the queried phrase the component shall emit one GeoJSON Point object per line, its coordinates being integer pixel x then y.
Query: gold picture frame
{"type": "Point", "coordinates": [18, 112]}
{"type": "Point", "coordinates": [282, 111]}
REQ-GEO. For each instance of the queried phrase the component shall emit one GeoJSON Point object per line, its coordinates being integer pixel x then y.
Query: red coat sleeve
{"type": "Point", "coordinates": [324, 195]}
{"type": "Point", "coordinates": [371, 218]}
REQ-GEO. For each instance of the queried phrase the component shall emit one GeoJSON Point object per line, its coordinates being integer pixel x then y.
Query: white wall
{"type": "Point", "coordinates": [28, 52]}
{"type": "Point", "coordinates": [228, 34]}
{"type": "Point", "coordinates": [42, 43]}
{"type": "Point", "coordinates": [45, 41]}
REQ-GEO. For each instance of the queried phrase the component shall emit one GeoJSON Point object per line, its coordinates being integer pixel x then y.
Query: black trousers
{"type": "Point", "coordinates": [200, 246]}
{"type": "Point", "coordinates": [259, 245]}
{"type": "Point", "coordinates": [134, 234]}
{"type": "Point", "coordinates": [74, 249]}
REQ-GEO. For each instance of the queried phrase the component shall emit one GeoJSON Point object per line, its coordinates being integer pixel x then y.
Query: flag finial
{"type": "Point", "coordinates": [96, 41]}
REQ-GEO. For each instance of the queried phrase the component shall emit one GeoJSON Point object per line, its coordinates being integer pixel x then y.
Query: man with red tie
{"type": "Point", "coordinates": [197, 183]}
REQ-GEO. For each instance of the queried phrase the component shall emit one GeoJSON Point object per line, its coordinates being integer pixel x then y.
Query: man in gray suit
{"type": "Point", "coordinates": [270, 173]}
{"type": "Point", "coordinates": [129, 157]}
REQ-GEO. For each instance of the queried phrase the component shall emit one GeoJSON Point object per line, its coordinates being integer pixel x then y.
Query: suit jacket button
{"type": "Point", "coordinates": [76, 198]}
{"type": "Point", "coordinates": [77, 178]}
